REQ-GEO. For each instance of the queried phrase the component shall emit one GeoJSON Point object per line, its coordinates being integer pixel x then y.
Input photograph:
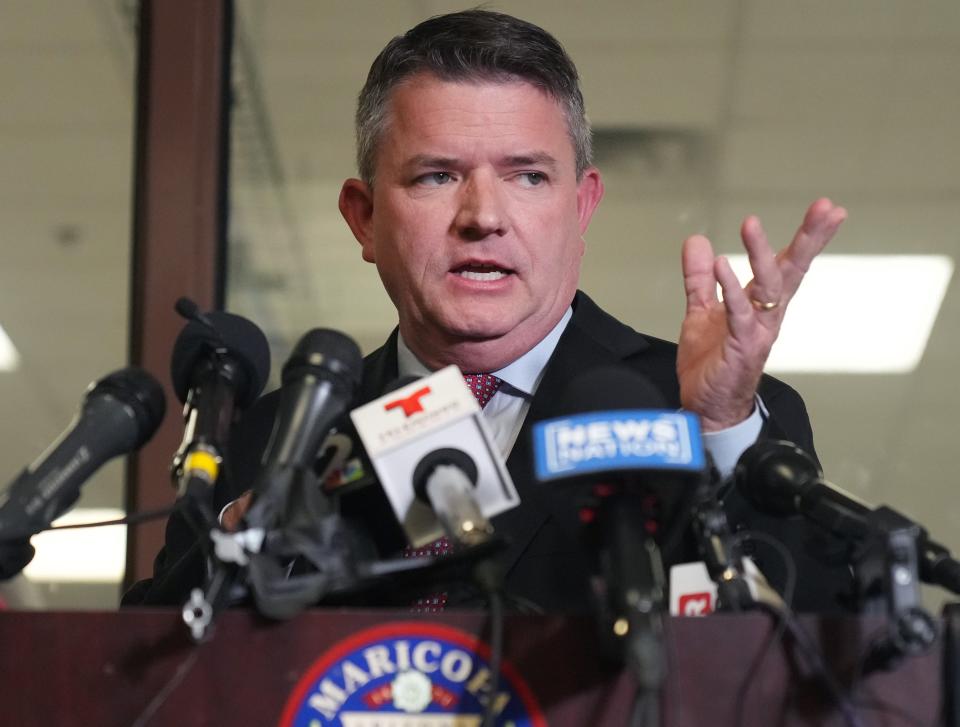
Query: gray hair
{"type": "Point", "coordinates": [473, 45]}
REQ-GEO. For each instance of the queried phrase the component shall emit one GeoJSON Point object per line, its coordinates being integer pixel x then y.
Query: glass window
{"type": "Point", "coordinates": [66, 141]}
{"type": "Point", "coordinates": [704, 112]}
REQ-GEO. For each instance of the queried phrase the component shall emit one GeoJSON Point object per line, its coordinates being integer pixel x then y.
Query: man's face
{"type": "Point", "coordinates": [476, 217]}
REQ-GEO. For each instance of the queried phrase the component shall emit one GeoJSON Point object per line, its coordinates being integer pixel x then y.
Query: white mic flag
{"type": "Point", "coordinates": [433, 413]}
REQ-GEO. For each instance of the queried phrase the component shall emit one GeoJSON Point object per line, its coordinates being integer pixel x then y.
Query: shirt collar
{"type": "Point", "coordinates": [523, 374]}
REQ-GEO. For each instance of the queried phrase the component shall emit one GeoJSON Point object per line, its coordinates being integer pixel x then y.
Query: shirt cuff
{"type": "Point", "coordinates": [726, 445]}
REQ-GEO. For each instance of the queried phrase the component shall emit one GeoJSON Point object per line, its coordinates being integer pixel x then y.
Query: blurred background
{"type": "Point", "coordinates": [704, 111]}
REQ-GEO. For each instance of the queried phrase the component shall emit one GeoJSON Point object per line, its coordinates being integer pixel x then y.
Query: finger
{"type": "Point", "coordinates": [820, 224]}
{"type": "Point", "coordinates": [699, 282]}
{"type": "Point", "coordinates": [767, 283]}
{"type": "Point", "coordinates": [740, 313]}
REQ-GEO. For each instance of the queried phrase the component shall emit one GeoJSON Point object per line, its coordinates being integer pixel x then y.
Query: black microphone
{"type": "Point", "coordinates": [637, 466]}
{"type": "Point", "coordinates": [292, 521]}
{"type": "Point", "coordinates": [220, 364]}
{"type": "Point", "coordinates": [118, 415]}
{"type": "Point", "coordinates": [319, 382]}
{"type": "Point", "coordinates": [780, 479]}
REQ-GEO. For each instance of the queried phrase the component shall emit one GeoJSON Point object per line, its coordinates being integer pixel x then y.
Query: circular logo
{"type": "Point", "coordinates": [409, 674]}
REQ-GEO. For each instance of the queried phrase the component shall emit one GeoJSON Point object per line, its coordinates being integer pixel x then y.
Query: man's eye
{"type": "Point", "coordinates": [532, 179]}
{"type": "Point", "coordinates": [436, 178]}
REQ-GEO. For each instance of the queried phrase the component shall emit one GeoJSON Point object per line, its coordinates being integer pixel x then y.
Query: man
{"type": "Point", "coordinates": [476, 190]}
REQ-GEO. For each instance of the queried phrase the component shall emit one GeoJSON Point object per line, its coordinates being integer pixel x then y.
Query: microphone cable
{"type": "Point", "coordinates": [132, 519]}
{"type": "Point", "coordinates": [787, 622]}
{"type": "Point", "coordinates": [495, 610]}
{"type": "Point", "coordinates": [776, 635]}
{"type": "Point", "coordinates": [870, 701]}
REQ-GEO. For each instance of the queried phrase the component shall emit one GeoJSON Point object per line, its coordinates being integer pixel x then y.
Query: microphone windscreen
{"type": "Point", "coordinates": [608, 388]}
{"type": "Point", "coordinates": [772, 476]}
{"type": "Point", "coordinates": [235, 335]}
{"type": "Point", "coordinates": [15, 555]}
{"type": "Point", "coordinates": [187, 308]}
{"type": "Point", "coordinates": [139, 391]}
{"type": "Point", "coordinates": [323, 349]}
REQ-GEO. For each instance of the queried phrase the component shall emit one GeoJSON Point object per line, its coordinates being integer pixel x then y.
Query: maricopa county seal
{"type": "Point", "coordinates": [408, 674]}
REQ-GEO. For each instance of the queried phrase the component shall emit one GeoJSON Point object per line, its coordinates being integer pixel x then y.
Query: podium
{"type": "Point", "coordinates": [139, 667]}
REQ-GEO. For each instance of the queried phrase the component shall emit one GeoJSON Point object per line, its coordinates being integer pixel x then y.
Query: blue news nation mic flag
{"type": "Point", "coordinates": [612, 425]}
{"type": "Point", "coordinates": [639, 441]}
{"type": "Point", "coordinates": [618, 441]}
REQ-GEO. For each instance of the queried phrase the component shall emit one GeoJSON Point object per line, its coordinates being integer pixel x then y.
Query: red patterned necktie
{"type": "Point", "coordinates": [483, 387]}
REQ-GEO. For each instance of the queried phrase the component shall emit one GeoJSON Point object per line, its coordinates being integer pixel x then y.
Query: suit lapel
{"type": "Point", "coordinates": [379, 371]}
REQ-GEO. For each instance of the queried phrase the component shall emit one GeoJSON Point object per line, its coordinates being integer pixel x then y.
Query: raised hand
{"type": "Point", "coordinates": [724, 345]}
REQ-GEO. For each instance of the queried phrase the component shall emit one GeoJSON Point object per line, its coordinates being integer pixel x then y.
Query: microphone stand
{"type": "Point", "coordinates": [225, 558]}
{"type": "Point", "coordinates": [721, 551]}
{"type": "Point", "coordinates": [308, 550]}
{"type": "Point", "coordinates": [888, 580]}
{"type": "Point", "coordinates": [633, 598]}
{"type": "Point", "coordinates": [951, 665]}
{"type": "Point", "coordinates": [303, 552]}
{"type": "Point", "coordinates": [194, 471]}
{"type": "Point", "coordinates": [296, 551]}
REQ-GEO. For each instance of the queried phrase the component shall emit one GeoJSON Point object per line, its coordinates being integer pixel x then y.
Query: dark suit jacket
{"type": "Point", "coordinates": [545, 562]}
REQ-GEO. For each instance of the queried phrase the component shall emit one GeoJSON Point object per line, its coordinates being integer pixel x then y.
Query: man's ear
{"type": "Point", "coordinates": [356, 206]}
{"type": "Point", "coordinates": [589, 194]}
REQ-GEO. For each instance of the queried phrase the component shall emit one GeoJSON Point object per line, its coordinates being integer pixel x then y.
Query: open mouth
{"type": "Point", "coordinates": [485, 273]}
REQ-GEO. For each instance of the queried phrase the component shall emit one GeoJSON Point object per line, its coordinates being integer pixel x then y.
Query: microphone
{"type": "Point", "coordinates": [638, 464]}
{"type": "Point", "coordinates": [318, 383]}
{"type": "Point", "coordinates": [446, 479]}
{"type": "Point", "coordinates": [780, 479]}
{"type": "Point", "coordinates": [118, 415]}
{"type": "Point", "coordinates": [436, 460]}
{"type": "Point", "coordinates": [220, 363]}
{"type": "Point", "coordinates": [292, 524]}
{"type": "Point", "coordinates": [614, 428]}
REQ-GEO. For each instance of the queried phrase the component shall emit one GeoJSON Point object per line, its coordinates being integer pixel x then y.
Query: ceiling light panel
{"type": "Point", "coordinates": [9, 358]}
{"type": "Point", "coordinates": [863, 314]}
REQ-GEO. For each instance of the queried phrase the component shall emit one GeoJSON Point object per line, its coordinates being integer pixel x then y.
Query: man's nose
{"type": "Point", "coordinates": [480, 213]}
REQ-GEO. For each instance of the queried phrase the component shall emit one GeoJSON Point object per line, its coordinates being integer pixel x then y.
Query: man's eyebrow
{"type": "Point", "coordinates": [534, 159]}
{"type": "Point", "coordinates": [419, 161]}
{"type": "Point", "coordinates": [525, 159]}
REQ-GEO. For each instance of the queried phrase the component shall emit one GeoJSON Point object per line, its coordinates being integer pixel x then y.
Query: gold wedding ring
{"type": "Point", "coordinates": [764, 304]}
